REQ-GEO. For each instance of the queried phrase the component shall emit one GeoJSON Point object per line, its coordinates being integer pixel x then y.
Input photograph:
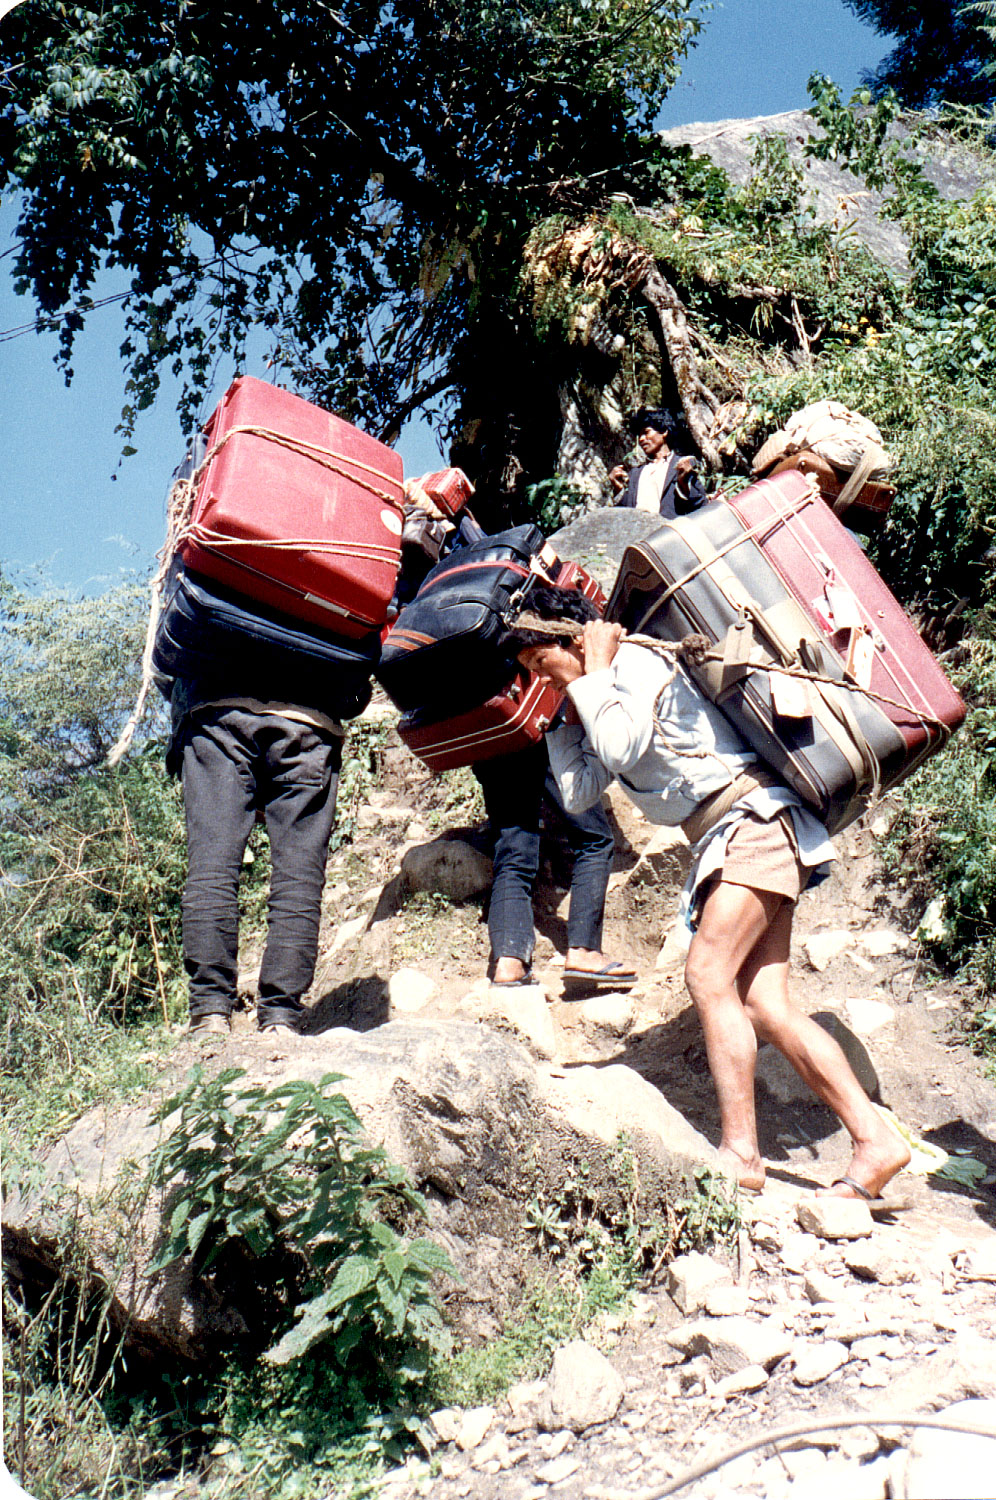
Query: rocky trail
{"type": "Point", "coordinates": [821, 1312]}
{"type": "Point", "coordinates": [490, 1097]}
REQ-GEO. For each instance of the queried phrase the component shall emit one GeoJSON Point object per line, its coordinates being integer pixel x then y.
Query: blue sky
{"type": "Point", "coordinates": [68, 502]}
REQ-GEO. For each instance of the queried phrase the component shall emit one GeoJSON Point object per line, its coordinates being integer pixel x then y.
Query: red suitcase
{"type": "Point", "coordinates": [510, 721]}
{"type": "Point", "coordinates": [825, 570]}
{"type": "Point", "coordinates": [298, 510]}
{"type": "Point", "coordinates": [514, 719]}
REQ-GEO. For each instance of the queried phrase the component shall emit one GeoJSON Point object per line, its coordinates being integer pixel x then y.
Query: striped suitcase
{"type": "Point", "coordinates": [297, 510]}
{"type": "Point", "coordinates": [705, 575]}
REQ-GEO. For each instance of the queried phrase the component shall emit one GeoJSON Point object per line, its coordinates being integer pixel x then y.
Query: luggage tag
{"type": "Point", "coordinates": [789, 695]}
{"type": "Point", "coordinates": [844, 611]}
{"type": "Point", "coordinates": [860, 657]}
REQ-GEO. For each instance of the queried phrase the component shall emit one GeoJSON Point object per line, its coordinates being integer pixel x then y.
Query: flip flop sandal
{"type": "Point", "coordinates": [875, 1206]}
{"type": "Point", "coordinates": [611, 975]}
{"type": "Point", "coordinates": [528, 981]}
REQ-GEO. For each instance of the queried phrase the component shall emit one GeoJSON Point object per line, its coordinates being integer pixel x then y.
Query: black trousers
{"type": "Point", "coordinates": [234, 763]}
{"type": "Point", "coordinates": [514, 788]}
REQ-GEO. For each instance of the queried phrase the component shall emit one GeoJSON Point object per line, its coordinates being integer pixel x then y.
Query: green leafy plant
{"type": "Point", "coordinates": [281, 1182]}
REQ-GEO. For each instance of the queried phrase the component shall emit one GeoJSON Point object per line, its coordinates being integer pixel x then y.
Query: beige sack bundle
{"type": "Point", "coordinates": [843, 438]}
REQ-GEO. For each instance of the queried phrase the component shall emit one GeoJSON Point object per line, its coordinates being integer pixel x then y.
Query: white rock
{"type": "Point", "coordinates": [823, 947]}
{"type": "Point", "coordinates": [583, 1389]}
{"type": "Point", "coordinates": [691, 1277]}
{"type": "Point", "coordinates": [672, 956]}
{"type": "Point", "coordinates": [814, 1362]}
{"type": "Point", "coordinates": [956, 1466]}
{"type": "Point", "coordinates": [881, 942]}
{"type": "Point", "coordinates": [868, 1016]}
{"type": "Point", "coordinates": [751, 1378]}
{"type": "Point", "coordinates": [727, 1301]}
{"type": "Point", "coordinates": [524, 1396]}
{"type": "Point", "coordinates": [474, 1427]}
{"type": "Point", "coordinates": [798, 1250]}
{"type": "Point", "coordinates": [409, 990]}
{"type": "Point", "coordinates": [526, 1012]}
{"type": "Point", "coordinates": [346, 933]}
{"type": "Point", "coordinates": [876, 1262]}
{"type": "Point", "coordinates": [733, 1343]}
{"type": "Point", "coordinates": [612, 1013]}
{"type": "Point", "coordinates": [821, 1288]}
{"type": "Point", "coordinates": [494, 1451]}
{"type": "Point", "coordinates": [835, 1218]}
{"type": "Point", "coordinates": [558, 1469]}
{"type": "Point", "coordinates": [446, 1422]}
{"type": "Point", "coordinates": [979, 1263]}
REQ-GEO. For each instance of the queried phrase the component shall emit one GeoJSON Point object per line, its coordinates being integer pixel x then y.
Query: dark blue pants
{"type": "Point", "coordinates": [235, 763]}
{"type": "Point", "coordinates": [514, 787]}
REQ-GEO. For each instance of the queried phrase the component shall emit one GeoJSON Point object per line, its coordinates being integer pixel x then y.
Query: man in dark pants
{"type": "Point", "coordinates": [238, 756]}
{"type": "Point", "coordinates": [666, 484]}
{"type": "Point", "coordinates": [514, 788]}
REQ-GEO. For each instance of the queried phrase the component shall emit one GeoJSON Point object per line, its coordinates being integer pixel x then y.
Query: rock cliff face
{"type": "Point", "coordinates": [954, 169]}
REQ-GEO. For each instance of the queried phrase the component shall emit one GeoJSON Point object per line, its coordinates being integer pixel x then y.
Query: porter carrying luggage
{"type": "Point", "coordinates": [705, 575]}
{"type": "Point", "coordinates": [510, 720]}
{"type": "Point", "coordinates": [297, 510]}
{"type": "Point", "coordinates": [206, 632]}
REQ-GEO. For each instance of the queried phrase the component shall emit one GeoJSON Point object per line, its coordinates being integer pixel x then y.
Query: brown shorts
{"type": "Point", "coordinates": [765, 856]}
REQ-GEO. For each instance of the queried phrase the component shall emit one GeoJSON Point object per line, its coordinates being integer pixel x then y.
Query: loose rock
{"type": "Point", "coordinates": [814, 1362]}
{"type": "Point", "coordinates": [835, 1218]}
{"type": "Point", "coordinates": [691, 1277]}
{"type": "Point", "coordinates": [734, 1343]}
{"type": "Point", "coordinates": [583, 1389]}
{"type": "Point", "coordinates": [449, 866]}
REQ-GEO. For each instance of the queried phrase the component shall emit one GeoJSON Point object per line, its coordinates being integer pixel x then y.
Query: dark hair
{"type": "Point", "coordinates": [548, 603]}
{"type": "Point", "coordinates": [651, 416]}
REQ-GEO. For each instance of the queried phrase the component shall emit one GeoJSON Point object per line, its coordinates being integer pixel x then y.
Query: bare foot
{"type": "Point", "coordinates": [746, 1172]}
{"type": "Point", "coordinates": [509, 970]}
{"type": "Point", "coordinates": [594, 961]}
{"type": "Point", "coordinates": [873, 1164]}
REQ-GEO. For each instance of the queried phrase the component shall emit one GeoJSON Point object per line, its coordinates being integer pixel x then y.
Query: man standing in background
{"type": "Point", "coordinates": [666, 484]}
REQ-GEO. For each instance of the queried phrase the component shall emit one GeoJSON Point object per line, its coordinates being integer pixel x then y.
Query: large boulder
{"type": "Point", "coordinates": [481, 1127]}
{"type": "Point", "coordinates": [951, 165]}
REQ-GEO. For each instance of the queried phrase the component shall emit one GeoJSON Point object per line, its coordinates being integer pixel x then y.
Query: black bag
{"type": "Point", "coordinates": [442, 653]}
{"type": "Point", "coordinates": [208, 633]}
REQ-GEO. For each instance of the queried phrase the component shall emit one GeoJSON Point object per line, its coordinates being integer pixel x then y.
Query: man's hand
{"type": "Point", "coordinates": [600, 643]}
{"type": "Point", "coordinates": [618, 478]}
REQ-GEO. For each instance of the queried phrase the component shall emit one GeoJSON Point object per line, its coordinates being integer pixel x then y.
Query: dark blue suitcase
{"type": "Point", "coordinates": [441, 655]}
{"type": "Point", "coordinates": [207, 632]}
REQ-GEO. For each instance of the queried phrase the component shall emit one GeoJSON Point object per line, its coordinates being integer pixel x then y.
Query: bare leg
{"type": "Point", "coordinates": [879, 1153]}
{"type": "Point", "coordinates": [734, 920]}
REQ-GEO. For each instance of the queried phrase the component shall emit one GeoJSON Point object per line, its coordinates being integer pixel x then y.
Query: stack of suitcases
{"type": "Point", "coordinates": [463, 699]}
{"type": "Point", "coordinates": [774, 581]}
{"type": "Point", "coordinates": [289, 557]}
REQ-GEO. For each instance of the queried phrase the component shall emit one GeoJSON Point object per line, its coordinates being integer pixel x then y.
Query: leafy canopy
{"type": "Point", "coordinates": [943, 51]}
{"type": "Point", "coordinates": [354, 177]}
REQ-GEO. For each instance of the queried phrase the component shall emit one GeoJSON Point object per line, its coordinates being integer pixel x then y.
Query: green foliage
{"type": "Point", "coordinates": [278, 1183]}
{"type": "Point", "coordinates": [941, 51]}
{"type": "Point", "coordinates": [943, 846]}
{"type": "Point", "coordinates": [555, 502]}
{"type": "Point", "coordinates": [356, 180]}
{"type": "Point", "coordinates": [361, 765]}
{"type": "Point", "coordinates": [91, 860]}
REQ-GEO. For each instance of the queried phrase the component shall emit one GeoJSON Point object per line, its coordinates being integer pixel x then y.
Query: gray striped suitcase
{"type": "Point", "coordinates": [702, 575]}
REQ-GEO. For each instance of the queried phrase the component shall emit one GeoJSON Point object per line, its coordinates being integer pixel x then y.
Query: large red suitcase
{"type": "Point", "coordinates": [510, 721]}
{"type": "Point", "coordinates": [298, 510]}
{"type": "Point", "coordinates": [826, 571]}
